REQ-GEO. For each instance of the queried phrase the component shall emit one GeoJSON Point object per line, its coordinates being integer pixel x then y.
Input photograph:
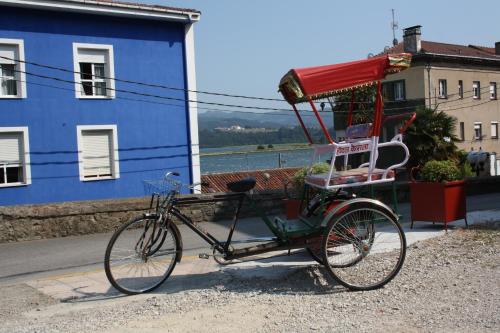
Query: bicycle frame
{"type": "Point", "coordinates": [272, 244]}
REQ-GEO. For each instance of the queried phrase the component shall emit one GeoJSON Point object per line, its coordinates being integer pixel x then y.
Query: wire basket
{"type": "Point", "coordinates": [161, 187]}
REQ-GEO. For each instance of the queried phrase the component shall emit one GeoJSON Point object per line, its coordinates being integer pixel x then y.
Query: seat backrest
{"type": "Point", "coordinates": [358, 131]}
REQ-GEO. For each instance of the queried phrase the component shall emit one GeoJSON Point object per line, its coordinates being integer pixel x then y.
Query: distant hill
{"type": "Point", "coordinates": [212, 119]}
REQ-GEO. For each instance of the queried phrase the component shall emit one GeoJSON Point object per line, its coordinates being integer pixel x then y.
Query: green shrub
{"type": "Point", "coordinates": [466, 170]}
{"type": "Point", "coordinates": [299, 176]}
{"type": "Point", "coordinates": [270, 146]}
{"type": "Point", "coordinates": [440, 171]}
{"type": "Point", "coordinates": [260, 147]}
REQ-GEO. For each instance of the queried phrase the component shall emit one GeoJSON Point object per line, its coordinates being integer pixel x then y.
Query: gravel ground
{"type": "Point", "coordinates": [448, 284]}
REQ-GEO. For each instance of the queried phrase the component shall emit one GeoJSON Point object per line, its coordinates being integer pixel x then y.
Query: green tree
{"type": "Point", "coordinates": [364, 98]}
{"type": "Point", "coordinates": [431, 137]}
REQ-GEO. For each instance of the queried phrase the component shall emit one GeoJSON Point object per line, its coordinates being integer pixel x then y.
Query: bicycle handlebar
{"type": "Point", "coordinates": [171, 173]}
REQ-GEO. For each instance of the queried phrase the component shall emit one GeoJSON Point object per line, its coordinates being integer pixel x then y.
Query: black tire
{"type": "Point", "coordinates": [361, 259]}
{"type": "Point", "coordinates": [150, 247]}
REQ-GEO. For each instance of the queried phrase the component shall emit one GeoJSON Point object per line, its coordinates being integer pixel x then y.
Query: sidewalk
{"type": "Point", "coordinates": [193, 273]}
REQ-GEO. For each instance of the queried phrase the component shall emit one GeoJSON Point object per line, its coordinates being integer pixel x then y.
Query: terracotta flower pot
{"type": "Point", "coordinates": [292, 208]}
{"type": "Point", "coordinates": [438, 202]}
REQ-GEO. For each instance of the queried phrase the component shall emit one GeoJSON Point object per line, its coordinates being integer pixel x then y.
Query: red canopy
{"type": "Point", "coordinates": [316, 82]}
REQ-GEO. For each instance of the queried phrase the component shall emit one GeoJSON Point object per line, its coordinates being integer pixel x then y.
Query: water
{"type": "Point", "coordinates": [252, 160]}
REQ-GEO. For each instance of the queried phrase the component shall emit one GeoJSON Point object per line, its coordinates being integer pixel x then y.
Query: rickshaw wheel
{"type": "Point", "coordinates": [364, 246]}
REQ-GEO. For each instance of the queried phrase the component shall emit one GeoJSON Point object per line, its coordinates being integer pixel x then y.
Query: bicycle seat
{"type": "Point", "coordinates": [246, 184]}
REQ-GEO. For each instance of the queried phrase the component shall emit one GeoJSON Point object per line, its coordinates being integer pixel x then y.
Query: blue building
{"type": "Point", "coordinates": [77, 121]}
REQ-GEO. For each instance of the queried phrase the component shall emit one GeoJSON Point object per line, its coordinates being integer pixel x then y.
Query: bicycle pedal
{"type": "Point", "coordinates": [203, 256]}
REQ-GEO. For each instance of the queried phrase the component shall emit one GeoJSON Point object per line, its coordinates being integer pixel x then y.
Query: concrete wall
{"type": "Point", "coordinates": [414, 82]}
{"type": "Point", "coordinates": [468, 109]}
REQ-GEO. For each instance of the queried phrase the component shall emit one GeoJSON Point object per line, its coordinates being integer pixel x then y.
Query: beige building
{"type": "Point", "coordinates": [462, 80]}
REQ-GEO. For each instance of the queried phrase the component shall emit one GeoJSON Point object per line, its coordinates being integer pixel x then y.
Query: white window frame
{"type": "Point", "coordinates": [494, 125]}
{"type": "Point", "coordinates": [480, 126]}
{"type": "Point", "coordinates": [20, 66]}
{"type": "Point", "coordinates": [493, 90]}
{"type": "Point", "coordinates": [476, 89]}
{"type": "Point", "coordinates": [109, 70]}
{"type": "Point", "coordinates": [460, 89]}
{"type": "Point", "coordinates": [443, 88]}
{"type": "Point", "coordinates": [115, 165]}
{"type": "Point", "coordinates": [26, 157]}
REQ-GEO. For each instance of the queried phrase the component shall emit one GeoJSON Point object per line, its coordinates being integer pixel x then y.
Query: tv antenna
{"type": "Point", "coordinates": [394, 27]}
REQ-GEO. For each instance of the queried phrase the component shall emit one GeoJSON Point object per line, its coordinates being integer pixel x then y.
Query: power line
{"type": "Point", "coordinates": [213, 109]}
{"type": "Point", "coordinates": [470, 106]}
{"type": "Point", "coordinates": [183, 89]}
{"type": "Point", "coordinates": [182, 99]}
{"type": "Point", "coordinates": [144, 83]}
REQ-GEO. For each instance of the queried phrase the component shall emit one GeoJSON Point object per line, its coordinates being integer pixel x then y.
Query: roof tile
{"type": "Point", "coordinates": [451, 49]}
{"type": "Point", "coordinates": [278, 178]}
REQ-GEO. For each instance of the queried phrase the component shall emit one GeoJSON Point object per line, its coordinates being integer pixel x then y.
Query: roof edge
{"type": "Point", "coordinates": [457, 56]}
{"type": "Point", "coordinates": [110, 8]}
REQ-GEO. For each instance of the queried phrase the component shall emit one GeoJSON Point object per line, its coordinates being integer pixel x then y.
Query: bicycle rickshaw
{"type": "Point", "coordinates": [358, 240]}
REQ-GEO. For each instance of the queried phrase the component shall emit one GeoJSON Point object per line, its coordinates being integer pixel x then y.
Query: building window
{"type": "Point", "coordinates": [12, 69]}
{"type": "Point", "coordinates": [494, 130]}
{"type": "Point", "coordinates": [493, 90]}
{"type": "Point", "coordinates": [94, 70]}
{"type": "Point", "coordinates": [462, 131]}
{"type": "Point", "coordinates": [98, 152]}
{"type": "Point", "coordinates": [443, 91]}
{"type": "Point", "coordinates": [478, 131]}
{"type": "Point", "coordinates": [394, 91]}
{"type": "Point", "coordinates": [460, 89]}
{"type": "Point", "coordinates": [476, 90]}
{"type": "Point", "coordinates": [384, 134]}
{"type": "Point", "coordinates": [14, 157]}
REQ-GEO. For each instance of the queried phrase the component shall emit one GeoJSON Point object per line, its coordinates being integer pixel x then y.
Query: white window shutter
{"type": "Point", "coordinates": [97, 154]}
{"type": "Point", "coordinates": [11, 148]}
{"type": "Point", "coordinates": [92, 56]}
{"type": "Point", "coordinates": [8, 51]}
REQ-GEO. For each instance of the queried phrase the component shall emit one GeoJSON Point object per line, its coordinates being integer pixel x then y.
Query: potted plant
{"type": "Point", "coordinates": [437, 188]}
{"type": "Point", "coordinates": [295, 189]}
{"type": "Point", "coordinates": [438, 194]}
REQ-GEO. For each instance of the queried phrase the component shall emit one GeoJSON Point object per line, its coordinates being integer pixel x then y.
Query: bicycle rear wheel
{"type": "Point", "coordinates": [364, 247]}
{"type": "Point", "coordinates": [142, 254]}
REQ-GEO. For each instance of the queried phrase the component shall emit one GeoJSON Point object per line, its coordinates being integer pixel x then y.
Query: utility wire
{"type": "Point", "coordinates": [182, 99]}
{"type": "Point", "coordinates": [186, 90]}
{"type": "Point", "coordinates": [284, 112]}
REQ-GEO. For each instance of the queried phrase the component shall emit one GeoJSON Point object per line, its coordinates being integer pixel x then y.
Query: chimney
{"type": "Point", "coordinates": [497, 48]}
{"type": "Point", "coordinates": [411, 39]}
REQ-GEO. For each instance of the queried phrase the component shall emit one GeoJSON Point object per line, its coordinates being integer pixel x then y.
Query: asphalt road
{"type": "Point", "coordinates": [30, 260]}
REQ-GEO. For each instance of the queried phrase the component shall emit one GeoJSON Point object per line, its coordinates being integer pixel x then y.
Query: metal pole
{"type": "Point", "coordinates": [306, 132]}
{"type": "Point", "coordinates": [428, 67]}
{"type": "Point", "coordinates": [320, 121]}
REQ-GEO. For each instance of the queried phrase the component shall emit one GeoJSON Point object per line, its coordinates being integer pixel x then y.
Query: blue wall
{"type": "Point", "coordinates": [152, 138]}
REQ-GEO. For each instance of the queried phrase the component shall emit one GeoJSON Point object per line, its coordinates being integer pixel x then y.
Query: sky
{"type": "Point", "coordinates": [245, 47]}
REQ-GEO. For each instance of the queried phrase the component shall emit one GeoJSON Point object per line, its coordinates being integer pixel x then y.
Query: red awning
{"type": "Point", "coordinates": [317, 82]}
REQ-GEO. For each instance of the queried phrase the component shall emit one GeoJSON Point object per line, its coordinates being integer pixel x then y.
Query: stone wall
{"type": "Point", "coordinates": [30, 222]}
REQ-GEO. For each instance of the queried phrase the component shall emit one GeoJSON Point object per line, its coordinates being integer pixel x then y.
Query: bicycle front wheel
{"type": "Point", "coordinates": [142, 254]}
{"type": "Point", "coordinates": [364, 247]}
